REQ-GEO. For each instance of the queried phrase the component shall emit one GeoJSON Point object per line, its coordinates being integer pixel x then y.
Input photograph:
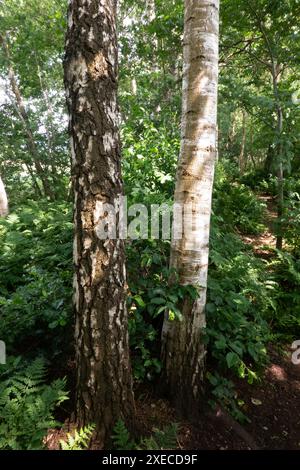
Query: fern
{"type": "Point", "coordinates": [121, 437]}
{"type": "Point", "coordinates": [27, 406]}
{"type": "Point", "coordinates": [80, 440]}
{"type": "Point", "coordinates": [165, 439]}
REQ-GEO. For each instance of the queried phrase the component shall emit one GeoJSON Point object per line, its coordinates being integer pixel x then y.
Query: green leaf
{"type": "Point", "coordinates": [232, 359]}
{"type": "Point", "coordinates": [158, 301]}
{"type": "Point", "coordinates": [138, 299]}
{"type": "Point", "coordinates": [210, 308]}
{"type": "Point", "coordinates": [221, 343]}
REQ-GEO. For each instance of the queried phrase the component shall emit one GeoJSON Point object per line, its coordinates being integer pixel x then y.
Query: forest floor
{"type": "Point", "coordinates": [272, 406]}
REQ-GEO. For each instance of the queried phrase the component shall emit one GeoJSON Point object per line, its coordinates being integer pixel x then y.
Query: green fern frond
{"type": "Point", "coordinates": [165, 439]}
{"type": "Point", "coordinates": [27, 405]}
{"type": "Point", "coordinates": [80, 440]}
{"type": "Point", "coordinates": [121, 437]}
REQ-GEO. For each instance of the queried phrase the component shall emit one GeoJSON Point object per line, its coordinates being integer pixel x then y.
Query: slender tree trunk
{"type": "Point", "coordinates": [3, 200]}
{"type": "Point", "coordinates": [104, 382]}
{"type": "Point", "coordinates": [134, 86]}
{"type": "Point", "coordinates": [48, 122]}
{"type": "Point", "coordinates": [21, 110]}
{"type": "Point", "coordinates": [280, 206]}
{"type": "Point", "coordinates": [232, 131]}
{"type": "Point", "coordinates": [250, 154]}
{"type": "Point", "coordinates": [218, 139]}
{"type": "Point", "coordinates": [183, 352]}
{"type": "Point", "coordinates": [280, 174]}
{"type": "Point", "coordinates": [242, 163]}
{"type": "Point", "coordinates": [31, 171]}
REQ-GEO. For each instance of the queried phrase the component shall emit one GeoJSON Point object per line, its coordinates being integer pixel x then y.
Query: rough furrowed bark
{"type": "Point", "coordinates": [104, 383]}
{"type": "Point", "coordinates": [183, 351]}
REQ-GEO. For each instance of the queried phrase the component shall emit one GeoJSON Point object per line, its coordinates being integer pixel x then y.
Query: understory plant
{"type": "Point", "coordinates": [165, 439]}
{"type": "Point", "coordinates": [27, 404]}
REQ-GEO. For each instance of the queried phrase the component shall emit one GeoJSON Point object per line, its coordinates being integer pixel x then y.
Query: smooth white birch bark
{"type": "Point", "coordinates": [182, 350]}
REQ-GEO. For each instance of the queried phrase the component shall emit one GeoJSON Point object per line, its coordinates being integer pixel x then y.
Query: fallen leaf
{"type": "Point", "coordinates": [256, 402]}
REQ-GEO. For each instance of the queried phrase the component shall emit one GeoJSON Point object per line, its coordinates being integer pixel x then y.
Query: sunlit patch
{"type": "Point", "coordinates": [98, 68]}
{"type": "Point", "coordinates": [277, 372]}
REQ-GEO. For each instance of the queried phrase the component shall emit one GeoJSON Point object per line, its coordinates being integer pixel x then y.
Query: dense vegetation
{"type": "Point", "coordinates": [253, 293]}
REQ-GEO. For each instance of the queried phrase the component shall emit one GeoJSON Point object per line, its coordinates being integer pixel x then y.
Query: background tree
{"type": "Point", "coordinates": [265, 52]}
{"type": "Point", "coordinates": [32, 103]}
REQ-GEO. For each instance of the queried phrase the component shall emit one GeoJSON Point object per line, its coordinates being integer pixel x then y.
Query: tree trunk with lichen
{"type": "Point", "coordinates": [183, 351]}
{"type": "Point", "coordinates": [104, 382]}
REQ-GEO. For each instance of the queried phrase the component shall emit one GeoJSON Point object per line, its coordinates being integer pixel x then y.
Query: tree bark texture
{"type": "Point", "coordinates": [183, 352]}
{"type": "Point", "coordinates": [104, 382]}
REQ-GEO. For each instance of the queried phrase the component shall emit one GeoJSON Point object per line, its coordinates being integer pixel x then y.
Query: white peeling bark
{"type": "Point", "coordinates": [3, 200]}
{"type": "Point", "coordinates": [182, 350]}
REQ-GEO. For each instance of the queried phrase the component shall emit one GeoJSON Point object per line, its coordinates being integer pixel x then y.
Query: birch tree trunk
{"type": "Point", "coordinates": [280, 172]}
{"type": "Point", "coordinates": [242, 162]}
{"type": "Point", "coordinates": [104, 383]}
{"type": "Point", "coordinates": [3, 200]}
{"type": "Point", "coordinates": [183, 352]}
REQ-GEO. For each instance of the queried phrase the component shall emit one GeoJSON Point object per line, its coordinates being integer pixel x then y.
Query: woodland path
{"type": "Point", "coordinates": [273, 404]}
{"type": "Point", "coordinates": [263, 242]}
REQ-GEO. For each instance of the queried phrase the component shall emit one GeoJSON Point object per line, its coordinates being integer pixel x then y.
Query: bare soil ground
{"type": "Point", "coordinates": [272, 405]}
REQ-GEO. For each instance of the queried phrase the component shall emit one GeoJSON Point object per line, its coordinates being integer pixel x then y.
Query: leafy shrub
{"type": "Point", "coordinates": [149, 164]}
{"type": "Point", "coordinates": [291, 217]}
{"type": "Point", "coordinates": [36, 234]}
{"type": "Point", "coordinates": [224, 393]}
{"type": "Point", "coordinates": [150, 295]}
{"type": "Point", "coordinates": [27, 404]}
{"type": "Point", "coordinates": [38, 309]}
{"type": "Point", "coordinates": [240, 293]}
{"type": "Point", "coordinates": [258, 180]}
{"type": "Point", "coordinates": [286, 319]}
{"type": "Point", "coordinates": [268, 186]}
{"type": "Point", "coordinates": [238, 208]}
{"type": "Point", "coordinates": [36, 276]}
